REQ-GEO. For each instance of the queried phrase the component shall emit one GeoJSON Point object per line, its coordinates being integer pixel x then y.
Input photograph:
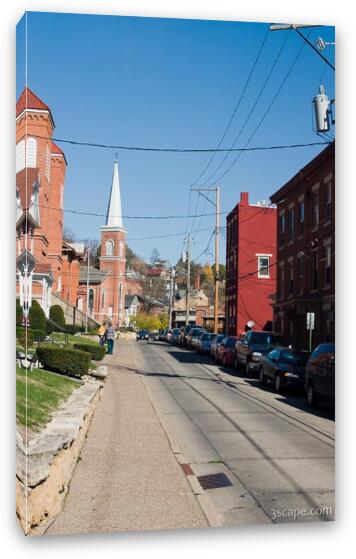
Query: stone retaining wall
{"type": "Point", "coordinates": [44, 469]}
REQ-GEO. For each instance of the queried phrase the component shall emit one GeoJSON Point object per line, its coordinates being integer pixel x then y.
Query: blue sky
{"type": "Point", "coordinates": [168, 83]}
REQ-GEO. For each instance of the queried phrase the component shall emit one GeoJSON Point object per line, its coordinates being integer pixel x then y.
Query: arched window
{"type": "Point", "coordinates": [103, 298]}
{"type": "Point", "coordinates": [109, 247]}
{"type": "Point", "coordinates": [122, 248]}
{"type": "Point", "coordinates": [79, 303]}
{"type": "Point", "coordinates": [91, 300]}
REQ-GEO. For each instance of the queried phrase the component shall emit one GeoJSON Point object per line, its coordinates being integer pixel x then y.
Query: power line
{"type": "Point", "coordinates": [266, 111]}
{"type": "Point", "coordinates": [252, 110]}
{"type": "Point", "coordinates": [176, 150]}
{"type": "Point", "coordinates": [235, 109]}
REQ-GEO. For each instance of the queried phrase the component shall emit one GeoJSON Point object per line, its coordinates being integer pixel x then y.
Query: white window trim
{"type": "Point", "coordinates": [259, 275]}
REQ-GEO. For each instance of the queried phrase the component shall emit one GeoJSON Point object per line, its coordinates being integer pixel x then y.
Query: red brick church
{"type": "Point", "coordinates": [48, 268]}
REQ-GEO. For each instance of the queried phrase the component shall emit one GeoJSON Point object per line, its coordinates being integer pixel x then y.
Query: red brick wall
{"type": "Point", "coordinates": [251, 231]}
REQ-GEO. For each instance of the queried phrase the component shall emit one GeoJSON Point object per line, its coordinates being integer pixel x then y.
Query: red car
{"type": "Point", "coordinates": [225, 352]}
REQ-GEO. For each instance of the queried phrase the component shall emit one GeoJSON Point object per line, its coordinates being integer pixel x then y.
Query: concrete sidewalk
{"type": "Point", "coordinates": [127, 477]}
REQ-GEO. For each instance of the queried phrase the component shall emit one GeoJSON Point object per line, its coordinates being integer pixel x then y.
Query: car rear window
{"type": "Point", "coordinates": [261, 338]}
{"type": "Point", "coordinates": [294, 358]}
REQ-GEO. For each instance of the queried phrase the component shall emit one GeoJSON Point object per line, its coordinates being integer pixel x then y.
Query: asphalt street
{"type": "Point", "coordinates": [277, 454]}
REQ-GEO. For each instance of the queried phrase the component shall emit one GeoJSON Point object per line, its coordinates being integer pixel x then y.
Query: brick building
{"type": "Point", "coordinates": [107, 285]}
{"type": "Point", "coordinates": [306, 251]}
{"type": "Point", "coordinates": [40, 175]}
{"type": "Point", "coordinates": [250, 266]}
{"type": "Point", "coordinates": [46, 265]}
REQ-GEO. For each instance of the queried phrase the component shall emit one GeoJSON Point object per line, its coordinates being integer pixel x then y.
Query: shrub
{"type": "Point", "coordinates": [96, 352]}
{"type": "Point", "coordinates": [37, 317]}
{"type": "Point", "coordinates": [19, 313]}
{"type": "Point", "coordinates": [64, 361]}
{"type": "Point", "coordinates": [74, 328]}
{"type": "Point", "coordinates": [57, 315]}
{"type": "Point", "coordinates": [22, 337]}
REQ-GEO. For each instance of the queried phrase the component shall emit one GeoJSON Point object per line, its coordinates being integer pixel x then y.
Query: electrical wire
{"type": "Point", "coordinates": [276, 95]}
{"type": "Point", "coordinates": [235, 109]}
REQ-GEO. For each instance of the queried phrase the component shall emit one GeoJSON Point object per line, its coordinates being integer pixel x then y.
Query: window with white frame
{"type": "Point", "coordinates": [315, 207]}
{"type": "Point", "coordinates": [31, 156]}
{"type": "Point", "coordinates": [121, 248]}
{"type": "Point", "coordinates": [103, 298]}
{"type": "Point", "coordinates": [109, 248]}
{"type": "Point", "coordinates": [263, 265]}
{"type": "Point", "coordinates": [20, 156]}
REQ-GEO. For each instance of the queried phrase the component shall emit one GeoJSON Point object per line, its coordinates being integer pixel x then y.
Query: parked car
{"type": "Point", "coordinates": [250, 349]}
{"type": "Point", "coordinates": [168, 335]}
{"type": "Point", "coordinates": [183, 335]}
{"type": "Point", "coordinates": [225, 352]}
{"type": "Point", "coordinates": [285, 367]}
{"type": "Point", "coordinates": [193, 336]}
{"type": "Point", "coordinates": [320, 375]}
{"type": "Point", "coordinates": [175, 340]}
{"type": "Point", "coordinates": [215, 344]}
{"type": "Point", "coordinates": [142, 335]}
{"type": "Point", "coordinates": [172, 334]}
{"type": "Point", "coordinates": [154, 336]}
{"type": "Point", "coordinates": [162, 334]}
{"type": "Point", "coordinates": [204, 342]}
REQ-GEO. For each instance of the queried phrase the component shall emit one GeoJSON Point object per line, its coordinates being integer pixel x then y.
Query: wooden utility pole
{"type": "Point", "coordinates": [171, 293]}
{"type": "Point", "coordinates": [216, 278]}
{"type": "Point", "coordinates": [217, 238]}
{"type": "Point", "coordinates": [187, 295]}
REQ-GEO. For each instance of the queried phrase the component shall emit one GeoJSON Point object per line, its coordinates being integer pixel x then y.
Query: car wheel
{"type": "Point", "coordinates": [247, 369]}
{"type": "Point", "coordinates": [224, 361]}
{"type": "Point", "coordinates": [311, 396]}
{"type": "Point", "coordinates": [262, 377]}
{"type": "Point", "coordinates": [277, 383]}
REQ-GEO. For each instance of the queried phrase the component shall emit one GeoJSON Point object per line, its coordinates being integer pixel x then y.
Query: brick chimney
{"type": "Point", "coordinates": [197, 281]}
{"type": "Point", "coordinates": [244, 198]}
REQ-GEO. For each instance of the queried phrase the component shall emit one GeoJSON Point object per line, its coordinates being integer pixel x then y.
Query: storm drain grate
{"type": "Point", "coordinates": [214, 481]}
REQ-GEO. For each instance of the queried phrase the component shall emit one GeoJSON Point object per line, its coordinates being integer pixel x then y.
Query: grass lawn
{"type": "Point", "coordinates": [59, 337]}
{"type": "Point", "coordinates": [45, 391]}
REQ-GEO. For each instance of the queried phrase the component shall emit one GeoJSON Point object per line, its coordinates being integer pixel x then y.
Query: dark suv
{"type": "Point", "coordinates": [320, 375]}
{"type": "Point", "coordinates": [250, 349]}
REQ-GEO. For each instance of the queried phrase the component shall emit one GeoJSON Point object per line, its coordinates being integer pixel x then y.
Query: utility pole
{"type": "Point", "coordinates": [187, 295]}
{"type": "Point", "coordinates": [217, 239]}
{"type": "Point", "coordinates": [216, 279]}
{"type": "Point", "coordinates": [171, 292]}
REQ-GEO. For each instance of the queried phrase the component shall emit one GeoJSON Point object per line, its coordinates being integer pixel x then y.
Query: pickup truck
{"type": "Point", "coordinates": [250, 349]}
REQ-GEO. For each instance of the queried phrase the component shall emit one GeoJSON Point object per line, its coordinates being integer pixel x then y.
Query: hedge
{"type": "Point", "coordinates": [97, 352]}
{"type": "Point", "coordinates": [74, 328]}
{"type": "Point", "coordinates": [37, 317]}
{"type": "Point", "coordinates": [19, 313]}
{"type": "Point", "coordinates": [64, 361]}
{"type": "Point", "coordinates": [32, 335]}
{"type": "Point", "coordinates": [57, 315]}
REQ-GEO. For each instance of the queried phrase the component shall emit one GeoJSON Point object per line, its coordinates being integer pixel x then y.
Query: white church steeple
{"type": "Point", "coordinates": [114, 213]}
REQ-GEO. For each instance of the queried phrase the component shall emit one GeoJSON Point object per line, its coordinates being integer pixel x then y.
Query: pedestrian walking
{"type": "Point", "coordinates": [102, 334]}
{"type": "Point", "coordinates": [110, 337]}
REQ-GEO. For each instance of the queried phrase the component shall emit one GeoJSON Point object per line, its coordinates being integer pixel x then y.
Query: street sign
{"type": "Point", "coordinates": [310, 320]}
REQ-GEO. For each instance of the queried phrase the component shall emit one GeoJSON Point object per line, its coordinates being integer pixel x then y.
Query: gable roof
{"type": "Point", "coordinates": [29, 100]}
{"type": "Point", "coordinates": [129, 299]}
{"type": "Point", "coordinates": [95, 275]}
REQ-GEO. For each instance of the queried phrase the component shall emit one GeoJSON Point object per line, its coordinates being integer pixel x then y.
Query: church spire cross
{"type": "Point", "coordinates": [114, 213]}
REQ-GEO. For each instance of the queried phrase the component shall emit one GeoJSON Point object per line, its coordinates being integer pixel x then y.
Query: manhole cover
{"type": "Point", "coordinates": [214, 481]}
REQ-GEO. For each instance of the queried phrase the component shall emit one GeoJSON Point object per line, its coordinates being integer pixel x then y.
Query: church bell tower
{"type": "Point", "coordinates": [113, 254]}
